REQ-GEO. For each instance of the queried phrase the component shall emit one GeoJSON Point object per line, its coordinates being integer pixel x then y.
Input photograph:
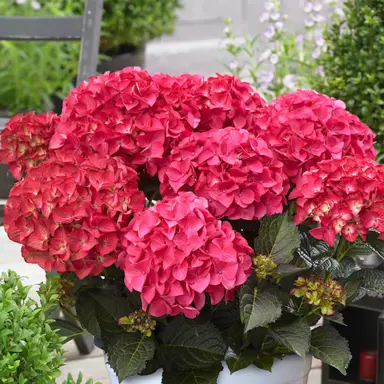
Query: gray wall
{"type": "Point", "coordinates": [194, 47]}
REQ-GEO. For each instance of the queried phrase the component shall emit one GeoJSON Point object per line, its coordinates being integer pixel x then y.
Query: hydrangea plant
{"type": "Point", "coordinates": [193, 224]}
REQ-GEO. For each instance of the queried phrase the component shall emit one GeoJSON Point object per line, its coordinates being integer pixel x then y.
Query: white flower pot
{"type": "Point", "coordinates": [291, 370]}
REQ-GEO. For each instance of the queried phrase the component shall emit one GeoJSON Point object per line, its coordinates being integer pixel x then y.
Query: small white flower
{"type": "Point", "coordinates": [266, 78]}
{"type": "Point", "coordinates": [316, 53]}
{"type": "Point", "coordinates": [265, 55]}
{"type": "Point", "coordinates": [319, 41]}
{"type": "Point", "coordinates": [233, 65]}
{"type": "Point", "coordinates": [318, 7]}
{"type": "Point", "coordinates": [308, 8]}
{"type": "Point", "coordinates": [275, 16]}
{"type": "Point", "coordinates": [317, 18]}
{"type": "Point", "coordinates": [320, 71]}
{"type": "Point", "coordinates": [21, 2]}
{"type": "Point", "coordinates": [35, 5]}
{"type": "Point", "coordinates": [270, 32]}
{"type": "Point", "coordinates": [309, 23]}
{"type": "Point", "coordinates": [269, 6]}
{"type": "Point", "coordinates": [289, 81]}
{"type": "Point", "coordinates": [274, 59]}
{"type": "Point", "coordinates": [227, 30]}
{"type": "Point", "coordinates": [279, 26]}
{"type": "Point", "coordinates": [264, 17]}
{"type": "Point", "coordinates": [300, 39]}
{"type": "Point", "coordinates": [339, 12]}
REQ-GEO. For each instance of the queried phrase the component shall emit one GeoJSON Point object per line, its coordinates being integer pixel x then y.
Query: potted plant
{"type": "Point", "coordinates": [128, 26]}
{"type": "Point", "coordinates": [199, 231]}
{"type": "Point", "coordinates": [31, 340]}
{"type": "Point", "coordinates": [31, 349]}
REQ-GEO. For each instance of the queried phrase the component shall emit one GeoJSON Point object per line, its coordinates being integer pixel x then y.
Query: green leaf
{"type": "Point", "coordinates": [258, 309]}
{"type": "Point", "coordinates": [226, 318]}
{"type": "Point", "coordinates": [296, 336]}
{"type": "Point", "coordinates": [193, 376]}
{"type": "Point", "coordinates": [348, 266]}
{"type": "Point", "coordinates": [67, 329]}
{"type": "Point", "coordinates": [244, 359]}
{"type": "Point", "coordinates": [371, 279]}
{"type": "Point", "coordinates": [151, 367]}
{"type": "Point", "coordinates": [128, 353]}
{"type": "Point", "coordinates": [336, 318]}
{"type": "Point", "coordinates": [186, 345]}
{"type": "Point", "coordinates": [100, 311]}
{"type": "Point", "coordinates": [278, 237]}
{"type": "Point", "coordinates": [375, 244]}
{"type": "Point", "coordinates": [328, 346]}
{"type": "Point", "coordinates": [86, 311]}
{"type": "Point", "coordinates": [355, 249]}
{"type": "Point", "coordinates": [265, 362]}
{"type": "Point", "coordinates": [288, 269]}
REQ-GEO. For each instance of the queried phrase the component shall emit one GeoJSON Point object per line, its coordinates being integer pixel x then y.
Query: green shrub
{"type": "Point", "coordinates": [78, 380]}
{"type": "Point", "coordinates": [31, 351]}
{"type": "Point", "coordinates": [31, 73]}
{"type": "Point", "coordinates": [131, 22]}
{"type": "Point", "coordinates": [354, 63]}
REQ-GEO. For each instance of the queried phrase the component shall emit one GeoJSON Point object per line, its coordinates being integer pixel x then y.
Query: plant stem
{"type": "Point", "coordinates": [338, 254]}
{"type": "Point", "coordinates": [69, 313]}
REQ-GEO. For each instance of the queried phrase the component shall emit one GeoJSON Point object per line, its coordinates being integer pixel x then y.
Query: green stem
{"type": "Point", "coordinates": [69, 313]}
{"type": "Point", "coordinates": [338, 254]}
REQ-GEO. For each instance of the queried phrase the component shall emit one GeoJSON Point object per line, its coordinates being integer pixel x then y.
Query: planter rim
{"type": "Point", "coordinates": [282, 374]}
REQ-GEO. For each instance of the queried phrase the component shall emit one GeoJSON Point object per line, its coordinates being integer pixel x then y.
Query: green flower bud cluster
{"type": "Point", "coordinates": [264, 266]}
{"type": "Point", "coordinates": [65, 290]}
{"type": "Point", "coordinates": [320, 293]}
{"type": "Point", "coordinates": [138, 321]}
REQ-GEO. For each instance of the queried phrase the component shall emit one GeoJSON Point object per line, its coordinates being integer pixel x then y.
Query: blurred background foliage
{"type": "Point", "coordinates": [35, 75]}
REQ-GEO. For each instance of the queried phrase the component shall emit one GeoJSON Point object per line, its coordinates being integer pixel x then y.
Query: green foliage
{"type": "Point", "coordinates": [328, 346]}
{"type": "Point", "coordinates": [35, 75]}
{"type": "Point", "coordinates": [79, 380]}
{"type": "Point", "coordinates": [295, 336]}
{"type": "Point", "coordinates": [354, 63]}
{"type": "Point", "coordinates": [132, 22]}
{"type": "Point", "coordinates": [186, 345]}
{"type": "Point", "coordinates": [278, 238]}
{"type": "Point", "coordinates": [258, 309]}
{"type": "Point", "coordinates": [31, 350]}
{"type": "Point", "coordinates": [31, 73]}
{"type": "Point", "coordinates": [128, 353]}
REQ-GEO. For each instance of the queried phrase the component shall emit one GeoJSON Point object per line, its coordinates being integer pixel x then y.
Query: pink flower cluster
{"type": "Point", "coordinates": [232, 168]}
{"type": "Point", "coordinates": [68, 211]}
{"type": "Point", "coordinates": [24, 141]}
{"type": "Point", "coordinates": [129, 112]}
{"type": "Point", "coordinates": [305, 127]}
{"type": "Point", "coordinates": [344, 196]}
{"type": "Point", "coordinates": [177, 251]}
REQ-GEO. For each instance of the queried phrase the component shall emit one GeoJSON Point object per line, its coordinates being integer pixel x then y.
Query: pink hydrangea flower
{"type": "Point", "coordinates": [176, 252]}
{"type": "Point", "coordinates": [68, 211]}
{"type": "Point", "coordinates": [305, 128]}
{"type": "Point", "coordinates": [344, 196]}
{"type": "Point", "coordinates": [24, 141]}
{"type": "Point", "coordinates": [233, 169]}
